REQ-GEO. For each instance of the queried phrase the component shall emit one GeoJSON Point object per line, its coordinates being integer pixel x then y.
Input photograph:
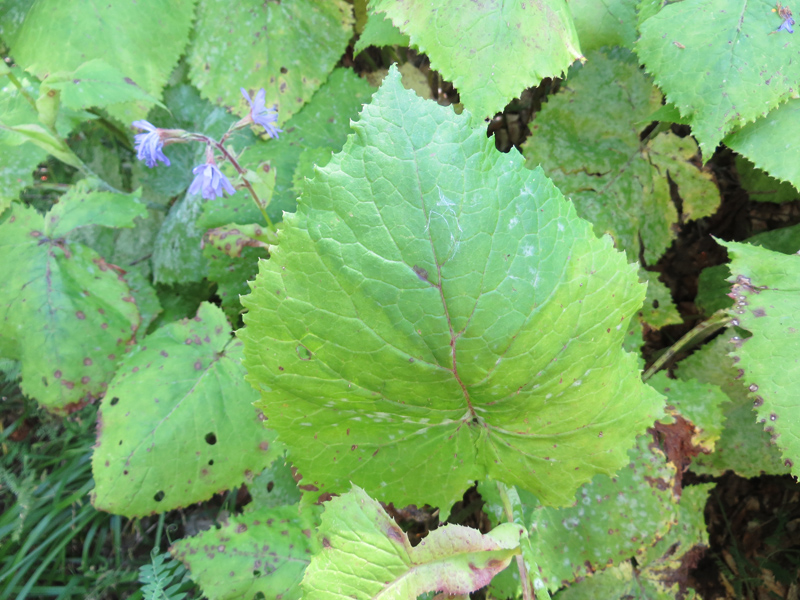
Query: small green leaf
{"type": "Point", "coordinates": [366, 555]}
{"type": "Point", "coordinates": [608, 23]}
{"type": "Point", "coordinates": [232, 239]}
{"type": "Point", "coordinates": [699, 403]}
{"type": "Point", "coordinates": [380, 31]}
{"type": "Point", "coordinates": [81, 207]}
{"type": "Point", "coordinates": [263, 551]}
{"type": "Point", "coordinates": [85, 31]}
{"type": "Point", "coordinates": [274, 486]}
{"type": "Point", "coordinates": [765, 286]}
{"type": "Point", "coordinates": [488, 76]}
{"type": "Point", "coordinates": [435, 307]}
{"type": "Point", "coordinates": [658, 309]}
{"type": "Point", "coordinates": [97, 84]}
{"type": "Point", "coordinates": [772, 143]}
{"type": "Point", "coordinates": [721, 67]}
{"type": "Point", "coordinates": [66, 314]}
{"type": "Point", "coordinates": [287, 48]}
{"type": "Point", "coordinates": [177, 422]}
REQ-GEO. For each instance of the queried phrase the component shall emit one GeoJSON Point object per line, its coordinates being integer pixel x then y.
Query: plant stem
{"type": "Point", "coordinates": [717, 321]}
{"type": "Point", "coordinates": [230, 158]}
{"type": "Point", "coordinates": [527, 590]}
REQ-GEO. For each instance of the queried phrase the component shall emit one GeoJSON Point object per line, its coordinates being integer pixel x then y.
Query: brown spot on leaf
{"type": "Point", "coordinates": [80, 314]}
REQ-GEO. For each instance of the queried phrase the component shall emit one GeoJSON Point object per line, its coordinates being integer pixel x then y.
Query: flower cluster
{"type": "Point", "coordinates": [208, 179]}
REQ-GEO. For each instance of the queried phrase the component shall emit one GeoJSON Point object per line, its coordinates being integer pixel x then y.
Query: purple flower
{"type": "Point", "coordinates": [210, 180]}
{"type": "Point", "coordinates": [148, 145]}
{"type": "Point", "coordinates": [787, 25]}
{"type": "Point", "coordinates": [266, 117]}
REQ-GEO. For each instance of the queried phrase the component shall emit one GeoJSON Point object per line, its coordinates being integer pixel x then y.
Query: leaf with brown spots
{"type": "Point", "coordinates": [65, 313]}
{"type": "Point", "coordinates": [287, 48]}
{"type": "Point", "coordinates": [176, 429]}
{"type": "Point", "coordinates": [262, 551]}
{"type": "Point", "coordinates": [366, 555]}
{"type": "Point", "coordinates": [766, 291]}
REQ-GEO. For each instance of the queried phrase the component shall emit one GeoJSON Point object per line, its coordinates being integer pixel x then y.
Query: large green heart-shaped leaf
{"type": "Point", "coordinates": [717, 61]}
{"type": "Point", "coordinates": [177, 423]}
{"type": "Point", "coordinates": [434, 307]}
{"type": "Point", "coordinates": [66, 314]}
{"type": "Point", "coordinates": [491, 50]}
{"type": "Point", "coordinates": [83, 31]}
{"type": "Point", "coordinates": [588, 138]}
{"type": "Point", "coordinates": [765, 288]}
{"type": "Point", "coordinates": [287, 48]}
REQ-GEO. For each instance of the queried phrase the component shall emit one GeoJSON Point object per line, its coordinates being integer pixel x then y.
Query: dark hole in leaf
{"type": "Point", "coordinates": [259, 595]}
{"type": "Point", "coordinates": [211, 462]}
{"type": "Point", "coordinates": [284, 70]}
{"type": "Point", "coordinates": [302, 352]}
{"type": "Point", "coordinates": [159, 496]}
{"type": "Point", "coordinates": [655, 303]}
{"type": "Point", "coordinates": [211, 438]}
{"type": "Point", "coordinates": [114, 401]}
{"type": "Point", "coordinates": [270, 486]}
{"type": "Point", "coordinates": [257, 573]}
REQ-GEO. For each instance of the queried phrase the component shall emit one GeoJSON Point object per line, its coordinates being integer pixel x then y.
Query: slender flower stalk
{"type": "Point", "coordinates": [208, 179]}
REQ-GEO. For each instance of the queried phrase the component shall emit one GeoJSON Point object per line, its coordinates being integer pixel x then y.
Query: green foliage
{"type": "Point", "coordinates": [262, 551]}
{"type": "Point", "coordinates": [287, 48]}
{"type": "Point", "coordinates": [67, 314]}
{"type": "Point", "coordinates": [414, 265]}
{"type": "Point", "coordinates": [765, 288]}
{"type": "Point", "coordinates": [162, 579]}
{"type": "Point", "coordinates": [322, 125]}
{"type": "Point", "coordinates": [722, 67]}
{"type": "Point", "coordinates": [366, 555]}
{"type": "Point", "coordinates": [177, 422]}
{"type": "Point", "coordinates": [489, 75]}
{"type": "Point", "coordinates": [587, 138]}
{"type": "Point", "coordinates": [85, 32]}
{"type": "Point", "coordinates": [771, 143]}
{"type": "Point", "coordinates": [427, 313]}
{"type": "Point", "coordinates": [744, 447]}
{"type": "Point", "coordinates": [379, 31]}
{"type": "Point", "coordinates": [608, 23]}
